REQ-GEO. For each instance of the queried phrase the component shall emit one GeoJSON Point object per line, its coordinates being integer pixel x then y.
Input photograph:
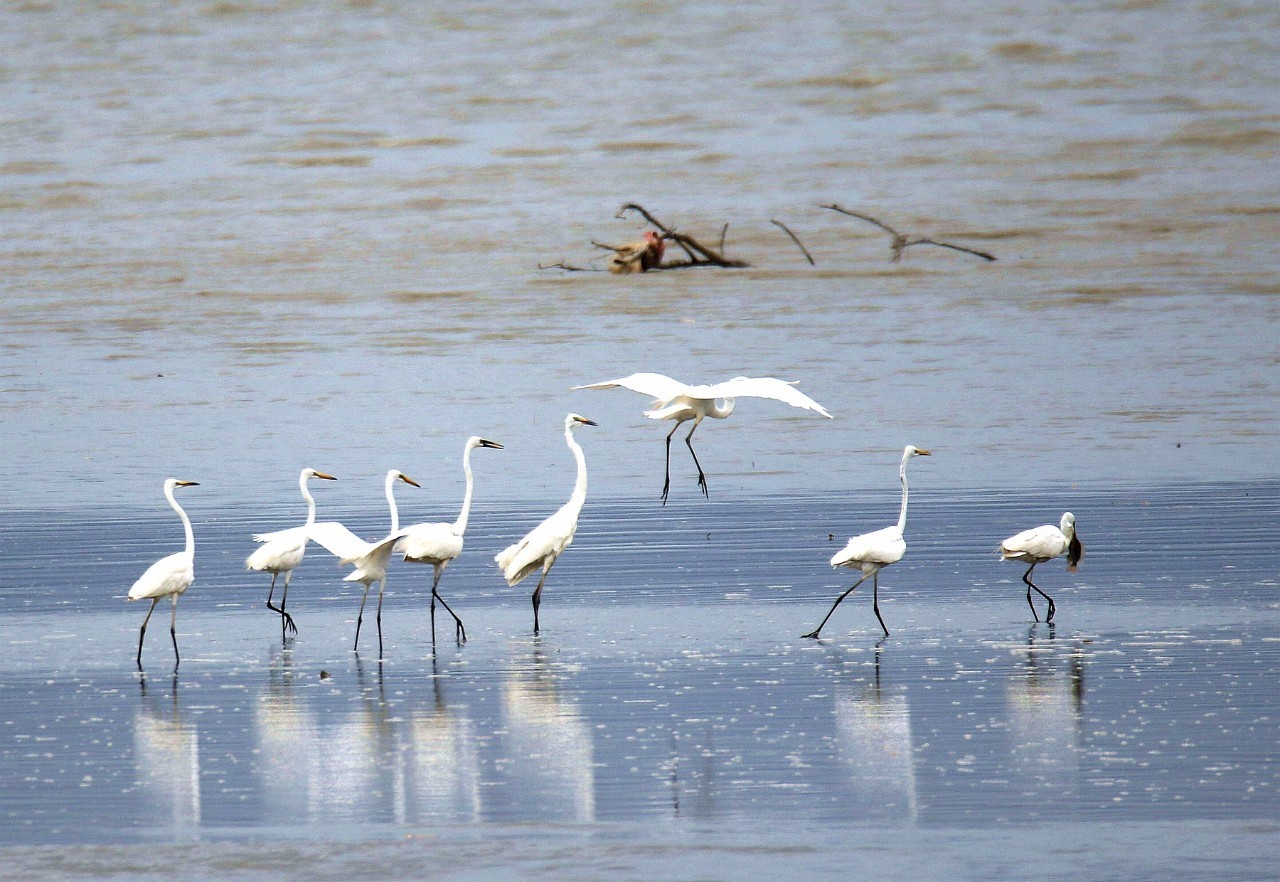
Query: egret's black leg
{"type": "Point", "coordinates": [173, 633]}
{"type": "Point", "coordinates": [537, 595]}
{"type": "Point", "coordinates": [814, 632]}
{"type": "Point", "coordinates": [459, 632]}
{"type": "Point", "coordinates": [702, 476]}
{"type": "Point", "coordinates": [875, 601]}
{"type": "Point", "coordinates": [287, 622]}
{"type": "Point", "coordinates": [1026, 577]}
{"type": "Point", "coordinates": [666, 481]}
{"type": "Point", "coordinates": [360, 617]}
{"type": "Point", "coordinates": [142, 633]}
{"type": "Point", "coordinates": [382, 584]}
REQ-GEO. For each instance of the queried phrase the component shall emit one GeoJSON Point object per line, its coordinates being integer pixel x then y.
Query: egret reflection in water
{"type": "Point", "coordinates": [167, 756]}
{"type": "Point", "coordinates": [549, 744]}
{"type": "Point", "coordinates": [1044, 705]}
{"type": "Point", "coordinates": [873, 731]}
{"type": "Point", "coordinates": [445, 759]}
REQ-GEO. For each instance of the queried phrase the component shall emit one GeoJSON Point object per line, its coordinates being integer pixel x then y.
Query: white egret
{"type": "Point", "coordinates": [169, 576]}
{"type": "Point", "coordinates": [681, 402]}
{"type": "Point", "coordinates": [547, 541]}
{"type": "Point", "coordinates": [283, 550]}
{"type": "Point", "coordinates": [871, 552]}
{"type": "Point", "coordinates": [1040, 544]}
{"type": "Point", "coordinates": [370, 558]}
{"type": "Point", "coordinates": [438, 544]}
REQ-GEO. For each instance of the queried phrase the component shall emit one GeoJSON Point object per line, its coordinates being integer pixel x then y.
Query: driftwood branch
{"type": "Point", "coordinates": [902, 241]}
{"type": "Point", "coordinates": [796, 239]}
{"type": "Point", "coordinates": [568, 267]}
{"type": "Point", "coordinates": [698, 253]}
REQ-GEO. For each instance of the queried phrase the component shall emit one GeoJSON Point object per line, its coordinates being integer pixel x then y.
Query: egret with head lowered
{"type": "Point", "coordinates": [1040, 544]}
{"type": "Point", "coordinates": [283, 550]}
{"type": "Point", "coordinates": [674, 400]}
{"type": "Point", "coordinates": [438, 544]}
{"type": "Point", "coordinates": [169, 576]}
{"type": "Point", "coordinates": [546, 542]}
{"type": "Point", "coordinates": [369, 558]}
{"type": "Point", "coordinates": [871, 552]}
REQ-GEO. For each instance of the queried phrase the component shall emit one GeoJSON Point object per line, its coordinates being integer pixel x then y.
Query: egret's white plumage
{"type": "Point", "coordinates": [438, 544]}
{"type": "Point", "coordinates": [873, 551]}
{"type": "Point", "coordinates": [1040, 544]}
{"type": "Point", "coordinates": [170, 576]}
{"type": "Point", "coordinates": [549, 539]}
{"type": "Point", "coordinates": [283, 550]}
{"type": "Point", "coordinates": [369, 558]}
{"type": "Point", "coordinates": [674, 400]}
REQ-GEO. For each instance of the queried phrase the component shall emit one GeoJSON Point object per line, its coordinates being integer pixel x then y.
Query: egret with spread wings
{"type": "Point", "coordinates": [674, 400]}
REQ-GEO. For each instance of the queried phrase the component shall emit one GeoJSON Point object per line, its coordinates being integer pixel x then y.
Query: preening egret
{"type": "Point", "coordinates": [283, 550]}
{"type": "Point", "coordinates": [547, 541]}
{"type": "Point", "coordinates": [1039, 544]}
{"type": "Point", "coordinates": [681, 402]}
{"type": "Point", "coordinates": [870, 552]}
{"type": "Point", "coordinates": [169, 576]}
{"type": "Point", "coordinates": [370, 558]}
{"type": "Point", "coordinates": [437, 544]}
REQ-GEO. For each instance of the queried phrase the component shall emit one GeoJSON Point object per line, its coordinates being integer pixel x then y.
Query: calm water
{"type": "Point", "coordinates": [239, 239]}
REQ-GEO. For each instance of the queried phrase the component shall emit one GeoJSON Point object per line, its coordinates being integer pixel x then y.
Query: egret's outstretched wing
{"type": "Point", "coordinates": [661, 387]}
{"type": "Point", "coordinates": [758, 387]}
{"type": "Point", "coordinates": [338, 540]}
{"type": "Point", "coordinates": [290, 535]}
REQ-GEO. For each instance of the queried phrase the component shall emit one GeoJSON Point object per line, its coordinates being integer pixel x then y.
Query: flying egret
{"type": "Point", "coordinates": [547, 541]}
{"type": "Point", "coordinates": [282, 550]}
{"type": "Point", "coordinates": [438, 544]}
{"type": "Point", "coordinates": [870, 552]}
{"type": "Point", "coordinates": [169, 576]}
{"type": "Point", "coordinates": [681, 402]}
{"type": "Point", "coordinates": [1039, 544]}
{"type": "Point", "coordinates": [370, 558]}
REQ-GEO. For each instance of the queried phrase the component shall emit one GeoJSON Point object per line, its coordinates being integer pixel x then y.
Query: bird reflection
{"type": "Point", "coordinates": [166, 751]}
{"type": "Point", "coordinates": [288, 742]}
{"type": "Point", "coordinates": [873, 728]}
{"type": "Point", "coordinates": [550, 745]}
{"type": "Point", "coordinates": [446, 760]}
{"type": "Point", "coordinates": [1044, 706]}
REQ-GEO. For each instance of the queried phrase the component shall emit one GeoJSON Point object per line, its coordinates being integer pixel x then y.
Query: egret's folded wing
{"type": "Point", "coordinates": [659, 386]}
{"type": "Point", "coordinates": [338, 540]}
{"type": "Point", "coordinates": [761, 387]}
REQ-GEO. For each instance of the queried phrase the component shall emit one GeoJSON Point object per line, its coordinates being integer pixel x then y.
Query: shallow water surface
{"type": "Point", "coordinates": [669, 700]}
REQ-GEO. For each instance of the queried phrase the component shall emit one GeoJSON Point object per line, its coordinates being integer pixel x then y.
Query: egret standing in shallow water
{"type": "Point", "coordinates": [871, 552]}
{"type": "Point", "coordinates": [1040, 544]}
{"type": "Point", "coordinates": [547, 541]}
{"type": "Point", "coordinates": [169, 576]}
{"type": "Point", "coordinates": [681, 402]}
{"type": "Point", "coordinates": [283, 550]}
{"type": "Point", "coordinates": [438, 544]}
{"type": "Point", "coordinates": [370, 558]}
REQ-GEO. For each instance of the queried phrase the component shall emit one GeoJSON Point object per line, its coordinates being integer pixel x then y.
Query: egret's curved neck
{"type": "Point", "coordinates": [311, 500]}
{"type": "Point", "coordinates": [580, 485]}
{"type": "Point", "coordinates": [721, 412]}
{"type": "Point", "coordinates": [902, 476]}
{"type": "Point", "coordinates": [391, 501]}
{"type": "Point", "coordinates": [460, 525]}
{"type": "Point", "coordinates": [186, 522]}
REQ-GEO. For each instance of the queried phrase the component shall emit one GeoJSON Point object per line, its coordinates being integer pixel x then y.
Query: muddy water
{"type": "Point", "coordinates": [243, 238]}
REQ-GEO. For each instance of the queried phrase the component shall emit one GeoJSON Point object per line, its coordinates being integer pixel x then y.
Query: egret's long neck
{"type": "Point", "coordinates": [902, 476]}
{"type": "Point", "coordinates": [460, 525]}
{"type": "Point", "coordinates": [186, 523]}
{"type": "Point", "coordinates": [311, 501]}
{"type": "Point", "coordinates": [717, 412]}
{"type": "Point", "coordinates": [391, 501]}
{"type": "Point", "coordinates": [580, 485]}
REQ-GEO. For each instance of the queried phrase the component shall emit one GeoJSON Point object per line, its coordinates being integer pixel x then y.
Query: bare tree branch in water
{"type": "Point", "coordinates": [699, 254]}
{"type": "Point", "coordinates": [796, 239]}
{"type": "Point", "coordinates": [568, 267]}
{"type": "Point", "coordinates": [902, 240]}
